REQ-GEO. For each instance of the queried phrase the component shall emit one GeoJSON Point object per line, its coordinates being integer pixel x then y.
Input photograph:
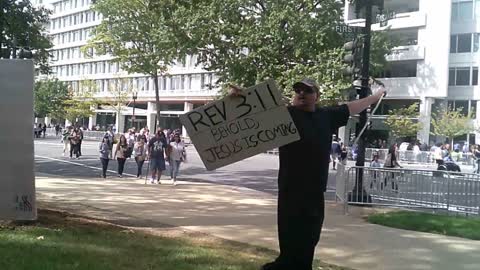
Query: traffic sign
{"type": "Point", "coordinates": [349, 32]}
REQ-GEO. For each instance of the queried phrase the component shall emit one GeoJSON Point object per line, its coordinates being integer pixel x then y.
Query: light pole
{"type": "Point", "coordinates": [134, 97]}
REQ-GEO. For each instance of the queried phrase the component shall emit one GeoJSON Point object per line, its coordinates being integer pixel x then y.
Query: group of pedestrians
{"type": "Point", "coordinates": [72, 138]}
{"type": "Point", "coordinates": [338, 152]}
{"type": "Point", "coordinates": [164, 147]}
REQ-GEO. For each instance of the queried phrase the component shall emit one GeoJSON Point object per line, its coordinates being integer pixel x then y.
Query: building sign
{"type": "Point", "coordinates": [17, 183]}
{"type": "Point", "coordinates": [235, 128]}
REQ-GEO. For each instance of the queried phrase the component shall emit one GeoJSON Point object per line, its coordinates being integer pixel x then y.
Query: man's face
{"type": "Point", "coordinates": [304, 96]}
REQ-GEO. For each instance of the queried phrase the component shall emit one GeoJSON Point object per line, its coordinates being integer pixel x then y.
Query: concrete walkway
{"type": "Point", "coordinates": [249, 216]}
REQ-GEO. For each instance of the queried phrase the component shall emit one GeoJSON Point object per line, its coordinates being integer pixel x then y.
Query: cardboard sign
{"type": "Point", "coordinates": [235, 128]}
{"type": "Point", "coordinates": [17, 183]}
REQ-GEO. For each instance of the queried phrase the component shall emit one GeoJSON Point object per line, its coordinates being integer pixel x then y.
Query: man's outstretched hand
{"type": "Point", "coordinates": [381, 92]}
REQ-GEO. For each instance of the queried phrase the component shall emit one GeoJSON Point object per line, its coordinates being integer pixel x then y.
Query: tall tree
{"type": "Point", "coordinates": [23, 26]}
{"type": "Point", "coordinates": [49, 98]}
{"type": "Point", "coordinates": [119, 95]}
{"type": "Point", "coordinates": [140, 35]}
{"type": "Point", "coordinates": [245, 42]}
{"type": "Point", "coordinates": [81, 103]}
{"type": "Point", "coordinates": [402, 122]}
{"type": "Point", "coordinates": [451, 123]}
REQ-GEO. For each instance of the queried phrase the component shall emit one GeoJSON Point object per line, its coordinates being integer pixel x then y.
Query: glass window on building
{"type": "Point", "coordinates": [164, 83]}
{"type": "Point", "coordinates": [171, 83]}
{"type": "Point", "coordinates": [462, 105]}
{"type": "Point", "coordinates": [453, 43]}
{"type": "Point", "coordinates": [451, 76]}
{"type": "Point", "coordinates": [462, 76]}
{"type": "Point", "coordinates": [475, 76]}
{"type": "Point", "coordinates": [463, 10]}
{"type": "Point", "coordinates": [473, 109]}
{"type": "Point", "coordinates": [476, 41]}
{"type": "Point", "coordinates": [202, 81]}
{"type": "Point", "coordinates": [464, 43]}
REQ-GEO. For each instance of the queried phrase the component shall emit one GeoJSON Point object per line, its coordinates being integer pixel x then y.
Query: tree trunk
{"type": "Point", "coordinates": [157, 99]}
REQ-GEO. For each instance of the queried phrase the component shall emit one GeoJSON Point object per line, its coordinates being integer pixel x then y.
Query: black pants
{"type": "Point", "coordinates": [121, 165]}
{"type": "Point", "coordinates": [139, 165]}
{"type": "Point", "coordinates": [74, 150]}
{"type": "Point", "coordinates": [80, 148]}
{"type": "Point", "coordinates": [104, 166]}
{"type": "Point", "coordinates": [298, 234]}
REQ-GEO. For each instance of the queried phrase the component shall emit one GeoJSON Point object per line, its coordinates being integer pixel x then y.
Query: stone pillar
{"type": "Point", "coordinates": [92, 121]}
{"type": "Point", "coordinates": [186, 108]}
{"type": "Point", "coordinates": [151, 113]}
{"type": "Point", "coordinates": [425, 117]}
{"type": "Point", "coordinates": [47, 120]}
{"type": "Point", "coordinates": [120, 122]}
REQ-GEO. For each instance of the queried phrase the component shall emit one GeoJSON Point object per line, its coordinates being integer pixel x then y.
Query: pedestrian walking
{"type": "Point", "coordinates": [176, 154]}
{"type": "Point", "coordinates": [476, 154]}
{"type": "Point", "coordinates": [303, 173]}
{"type": "Point", "coordinates": [343, 155]}
{"type": "Point", "coordinates": [156, 154]}
{"type": "Point", "coordinates": [66, 141]}
{"type": "Point", "coordinates": [44, 130]}
{"type": "Point", "coordinates": [120, 152]}
{"type": "Point", "coordinates": [104, 149]}
{"type": "Point", "coordinates": [335, 151]}
{"type": "Point", "coordinates": [80, 135]}
{"type": "Point", "coordinates": [57, 130]}
{"type": "Point", "coordinates": [74, 139]}
{"type": "Point", "coordinates": [375, 163]}
{"type": "Point", "coordinates": [140, 154]}
{"type": "Point", "coordinates": [111, 139]}
{"type": "Point", "coordinates": [391, 162]}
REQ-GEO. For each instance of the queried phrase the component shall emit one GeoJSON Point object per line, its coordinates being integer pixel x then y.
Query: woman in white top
{"type": "Point", "coordinates": [176, 154]}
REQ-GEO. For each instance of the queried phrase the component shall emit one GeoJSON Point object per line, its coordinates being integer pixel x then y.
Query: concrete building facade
{"type": "Point", "coordinates": [185, 87]}
{"type": "Point", "coordinates": [436, 62]}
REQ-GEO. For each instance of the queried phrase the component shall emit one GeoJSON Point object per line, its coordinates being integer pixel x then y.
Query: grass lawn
{"type": "Point", "coordinates": [432, 223]}
{"type": "Point", "coordinates": [62, 241]}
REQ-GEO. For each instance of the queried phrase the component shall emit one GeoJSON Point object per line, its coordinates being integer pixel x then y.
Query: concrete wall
{"type": "Point", "coordinates": [17, 182]}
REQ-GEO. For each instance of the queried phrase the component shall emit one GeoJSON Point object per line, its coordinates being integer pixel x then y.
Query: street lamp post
{"type": "Point", "coordinates": [134, 97]}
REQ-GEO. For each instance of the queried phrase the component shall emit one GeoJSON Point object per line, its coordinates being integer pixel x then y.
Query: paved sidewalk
{"type": "Point", "coordinates": [248, 216]}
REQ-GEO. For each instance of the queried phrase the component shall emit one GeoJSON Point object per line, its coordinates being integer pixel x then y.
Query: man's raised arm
{"type": "Point", "coordinates": [358, 106]}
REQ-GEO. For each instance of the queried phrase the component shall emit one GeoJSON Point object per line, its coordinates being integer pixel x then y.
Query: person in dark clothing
{"type": "Point", "coordinates": [303, 174]}
{"type": "Point", "coordinates": [44, 130]}
{"type": "Point", "coordinates": [104, 149]}
{"type": "Point", "coordinates": [156, 154]}
{"type": "Point", "coordinates": [57, 130]}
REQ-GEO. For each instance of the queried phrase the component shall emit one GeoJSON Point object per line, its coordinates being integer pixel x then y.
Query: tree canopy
{"type": "Point", "coordinates": [451, 123]}
{"type": "Point", "coordinates": [245, 42]}
{"type": "Point", "coordinates": [141, 34]}
{"type": "Point", "coordinates": [402, 123]}
{"type": "Point", "coordinates": [49, 98]}
{"type": "Point", "coordinates": [23, 26]}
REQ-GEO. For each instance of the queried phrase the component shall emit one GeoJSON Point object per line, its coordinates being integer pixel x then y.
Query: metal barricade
{"type": "Point", "coordinates": [411, 156]}
{"type": "Point", "coordinates": [410, 188]}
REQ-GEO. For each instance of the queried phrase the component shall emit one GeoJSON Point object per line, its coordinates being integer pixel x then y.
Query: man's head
{"type": "Point", "coordinates": [159, 132]}
{"type": "Point", "coordinates": [307, 93]}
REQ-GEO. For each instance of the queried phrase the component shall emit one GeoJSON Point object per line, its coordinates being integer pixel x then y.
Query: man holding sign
{"type": "Point", "coordinates": [303, 174]}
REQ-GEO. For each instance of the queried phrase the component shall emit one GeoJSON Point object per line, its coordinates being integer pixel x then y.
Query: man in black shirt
{"type": "Point", "coordinates": [303, 174]}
